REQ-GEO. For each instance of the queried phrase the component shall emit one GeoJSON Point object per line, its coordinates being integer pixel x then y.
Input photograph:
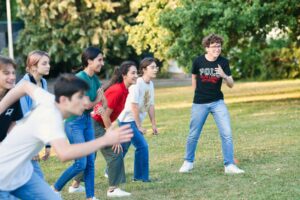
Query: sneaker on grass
{"type": "Point", "coordinates": [79, 189]}
{"type": "Point", "coordinates": [186, 167]}
{"type": "Point", "coordinates": [233, 169]}
{"type": "Point", "coordinates": [117, 192]}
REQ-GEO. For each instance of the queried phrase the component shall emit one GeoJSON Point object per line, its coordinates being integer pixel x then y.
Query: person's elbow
{"type": "Point", "coordinates": [230, 85]}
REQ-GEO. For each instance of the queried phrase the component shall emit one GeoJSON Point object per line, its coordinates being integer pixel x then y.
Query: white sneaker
{"type": "Point", "coordinates": [94, 198]}
{"type": "Point", "coordinates": [186, 167]}
{"type": "Point", "coordinates": [233, 169]}
{"type": "Point", "coordinates": [118, 193]}
{"type": "Point", "coordinates": [79, 189]}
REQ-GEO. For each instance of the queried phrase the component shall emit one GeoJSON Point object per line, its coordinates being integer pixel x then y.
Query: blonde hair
{"type": "Point", "coordinates": [33, 58]}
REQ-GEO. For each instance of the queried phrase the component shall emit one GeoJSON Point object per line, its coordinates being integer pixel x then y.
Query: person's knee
{"type": "Point", "coordinates": [117, 160]}
{"type": "Point", "coordinates": [227, 137]}
{"type": "Point", "coordinates": [142, 147]}
{"type": "Point", "coordinates": [192, 137]}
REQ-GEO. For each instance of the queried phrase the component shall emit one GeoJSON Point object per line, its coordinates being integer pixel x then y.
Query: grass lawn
{"type": "Point", "coordinates": [266, 131]}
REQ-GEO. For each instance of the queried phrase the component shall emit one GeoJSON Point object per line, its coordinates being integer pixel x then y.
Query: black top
{"type": "Point", "coordinates": [12, 114]}
{"type": "Point", "coordinates": [208, 83]}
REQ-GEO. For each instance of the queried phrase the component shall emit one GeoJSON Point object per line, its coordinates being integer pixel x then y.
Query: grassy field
{"type": "Point", "coordinates": [266, 131]}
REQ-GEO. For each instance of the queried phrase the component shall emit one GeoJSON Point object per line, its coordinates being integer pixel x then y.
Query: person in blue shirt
{"type": "Point", "coordinates": [37, 66]}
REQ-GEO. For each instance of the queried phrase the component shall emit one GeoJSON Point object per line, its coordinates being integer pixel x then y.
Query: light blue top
{"type": "Point", "coordinates": [26, 101]}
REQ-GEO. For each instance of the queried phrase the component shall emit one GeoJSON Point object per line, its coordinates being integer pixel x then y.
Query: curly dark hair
{"type": "Point", "coordinates": [210, 39]}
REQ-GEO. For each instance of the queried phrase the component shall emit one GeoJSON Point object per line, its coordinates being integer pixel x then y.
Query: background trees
{"type": "Point", "coordinates": [245, 26]}
{"type": "Point", "coordinates": [65, 27]}
{"type": "Point", "coordinates": [262, 37]}
{"type": "Point", "coordinates": [3, 10]}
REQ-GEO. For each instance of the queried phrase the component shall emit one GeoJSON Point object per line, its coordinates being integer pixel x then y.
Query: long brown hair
{"type": "Point", "coordinates": [118, 74]}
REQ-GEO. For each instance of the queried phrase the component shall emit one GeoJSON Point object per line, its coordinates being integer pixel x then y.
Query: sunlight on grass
{"type": "Point", "coordinates": [241, 92]}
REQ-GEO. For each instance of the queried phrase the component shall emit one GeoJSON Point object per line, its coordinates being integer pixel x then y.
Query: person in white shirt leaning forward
{"type": "Point", "coordinates": [45, 125]}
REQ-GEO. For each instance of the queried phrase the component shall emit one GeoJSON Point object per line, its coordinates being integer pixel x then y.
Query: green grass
{"type": "Point", "coordinates": [266, 131]}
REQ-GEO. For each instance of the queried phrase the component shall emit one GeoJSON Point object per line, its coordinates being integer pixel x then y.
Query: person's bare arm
{"type": "Point", "coordinates": [66, 151]}
{"type": "Point", "coordinates": [136, 115]}
{"type": "Point", "coordinates": [26, 88]}
{"type": "Point", "coordinates": [106, 118]}
{"type": "Point", "coordinates": [151, 114]}
{"type": "Point", "coordinates": [228, 79]}
{"type": "Point", "coordinates": [100, 97]}
{"type": "Point", "coordinates": [194, 83]}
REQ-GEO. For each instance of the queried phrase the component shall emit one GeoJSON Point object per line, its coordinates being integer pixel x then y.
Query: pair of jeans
{"type": "Point", "coordinates": [221, 116]}
{"type": "Point", "coordinates": [141, 156]}
{"type": "Point", "coordinates": [80, 130]}
{"type": "Point", "coordinates": [34, 189]}
{"type": "Point", "coordinates": [37, 168]}
{"type": "Point", "coordinates": [4, 195]}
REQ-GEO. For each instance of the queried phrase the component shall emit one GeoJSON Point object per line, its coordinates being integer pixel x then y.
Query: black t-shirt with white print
{"type": "Point", "coordinates": [208, 83]}
{"type": "Point", "coordinates": [12, 114]}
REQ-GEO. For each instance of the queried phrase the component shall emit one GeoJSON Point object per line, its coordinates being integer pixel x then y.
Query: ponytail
{"type": "Point", "coordinates": [114, 79]}
{"type": "Point", "coordinates": [118, 74]}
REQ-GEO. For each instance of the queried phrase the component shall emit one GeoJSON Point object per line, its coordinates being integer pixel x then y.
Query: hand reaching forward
{"type": "Point", "coordinates": [118, 135]}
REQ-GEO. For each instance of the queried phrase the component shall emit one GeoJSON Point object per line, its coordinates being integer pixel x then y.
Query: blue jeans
{"type": "Point", "coordinates": [4, 195]}
{"type": "Point", "coordinates": [35, 189]}
{"type": "Point", "coordinates": [80, 130]}
{"type": "Point", "coordinates": [141, 157]}
{"type": "Point", "coordinates": [37, 168]}
{"type": "Point", "coordinates": [221, 116]}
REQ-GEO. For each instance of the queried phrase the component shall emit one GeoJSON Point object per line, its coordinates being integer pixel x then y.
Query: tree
{"type": "Point", "coordinates": [65, 27]}
{"type": "Point", "coordinates": [244, 24]}
{"type": "Point", "coordinates": [3, 14]}
{"type": "Point", "coordinates": [147, 34]}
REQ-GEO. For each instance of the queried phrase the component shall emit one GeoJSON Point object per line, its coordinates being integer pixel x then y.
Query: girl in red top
{"type": "Point", "coordinates": [105, 113]}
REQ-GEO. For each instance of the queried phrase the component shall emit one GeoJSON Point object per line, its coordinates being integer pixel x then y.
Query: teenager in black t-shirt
{"type": "Point", "coordinates": [7, 81]}
{"type": "Point", "coordinates": [208, 72]}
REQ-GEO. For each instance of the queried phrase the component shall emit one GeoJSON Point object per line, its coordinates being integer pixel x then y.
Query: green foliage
{"type": "Point", "coordinates": [243, 24]}
{"type": "Point", "coordinates": [279, 59]}
{"type": "Point", "coordinates": [282, 62]}
{"type": "Point", "coordinates": [147, 34]}
{"type": "Point", "coordinates": [13, 7]}
{"type": "Point", "coordinates": [65, 27]}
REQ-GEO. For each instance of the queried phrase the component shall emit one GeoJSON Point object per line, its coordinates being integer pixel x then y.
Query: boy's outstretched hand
{"type": "Point", "coordinates": [118, 135]}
